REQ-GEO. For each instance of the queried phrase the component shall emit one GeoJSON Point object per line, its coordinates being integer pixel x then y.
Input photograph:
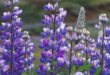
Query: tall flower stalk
{"type": "Point", "coordinates": [74, 39]}
{"type": "Point", "coordinates": [29, 53]}
{"type": "Point", "coordinates": [102, 42]}
{"type": "Point", "coordinates": [70, 36]}
{"type": "Point", "coordinates": [80, 25]}
{"type": "Point", "coordinates": [53, 42]}
{"type": "Point", "coordinates": [84, 45]}
{"type": "Point", "coordinates": [70, 60]}
{"type": "Point", "coordinates": [13, 43]}
{"type": "Point", "coordinates": [80, 29]}
{"type": "Point", "coordinates": [102, 49]}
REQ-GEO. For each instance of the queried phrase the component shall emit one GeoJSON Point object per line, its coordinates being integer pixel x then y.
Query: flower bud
{"type": "Point", "coordinates": [103, 18]}
{"type": "Point", "coordinates": [69, 28]}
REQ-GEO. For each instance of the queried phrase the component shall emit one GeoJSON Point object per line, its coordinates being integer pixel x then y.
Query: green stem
{"type": "Point", "coordinates": [86, 54]}
{"type": "Point", "coordinates": [12, 41]}
{"type": "Point", "coordinates": [70, 60]}
{"type": "Point", "coordinates": [54, 30]}
{"type": "Point", "coordinates": [102, 49]}
{"type": "Point", "coordinates": [32, 73]}
{"type": "Point", "coordinates": [25, 58]}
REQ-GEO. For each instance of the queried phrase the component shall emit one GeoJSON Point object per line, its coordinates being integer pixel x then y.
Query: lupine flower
{"type": "Point", "coordinates": [53, 42]}
{"type": "Point", "coordinates": [75, 38]}
{"type": "Point", "coordinates": [47, 20]}
{"type": "Point", "coordinates": [71, 35]}
{"type": "Point", "coordinates": [13, 55]}
{"type": "Point", "coordinates": [49, 7]}
{"type": "Point", "coordinates": [78, 61]}
{"type": "Point", "coordinates": [81, 20]}
{"type": "Point", "coordinates": [84, 45]}
{"type": "Point", "coordinates": [103, 44]}
{"type": "Point", "coordinates": [103, 18]}
{"type": "Point", "coordinates": [79, 47]}
{"type": "Point", "coordinates": [29, 52]}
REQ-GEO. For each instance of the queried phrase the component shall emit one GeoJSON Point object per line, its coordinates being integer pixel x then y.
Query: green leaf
{"type": "Point", "coordinates": [73, 70]}
{"type": "Point", "coordinates": [53, 62]}
{"type": "Point", "coordinates": [64, 70]}
{"type": "Point", "coordinates": [85, 67]}
{"type": "Point", "coordinates": [62, 73]}
{"type": "Point", "coordinates": [24, 73]}
{"type": "Point", "coordinates": [53, 71]}
{"type": "Point", "coordinates": [98, 71]}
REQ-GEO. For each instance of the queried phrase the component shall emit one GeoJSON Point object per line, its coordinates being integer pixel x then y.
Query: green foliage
{"type": "Point", "coordinates": [24, 73]}
{"type": "Point", "coordinates": [62, 73]}
{"type": "Point", "coordinates": [31, 72]}
{"type": "Point", "coordinates": [64, 70]}
{"type": "Point", "coordinates": [73, 70]}
{"type": "Point", "coordinates": [51, 70]}
{"type": "Point", "coordinates": [98, 2]}
{"type": "Point", "coordinates": [32, 14]}
{"type": "Point", "coordinates": [53, 62]}
{"type": "Point", "coordinates": [98, 71]}
{"type": "Point", "coordinates": [91, 28]}
{"type": "Point", "coordinates": [1, 10]}
{"type": "Point", "coordinates": [85, 67]}
{"type": "Point", "coordinates": [73, 6]}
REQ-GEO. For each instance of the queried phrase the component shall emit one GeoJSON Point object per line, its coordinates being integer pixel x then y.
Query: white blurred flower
{"type": "Point", "coordinates": [15, 1]}
{"type": "Point", "coordinates": [46, 29]}
{"type": "Point", "coordinates": [62, 12]}
{"type": "Point", "coordinates": [78, 73]}
{"type": "Point", "coordinates": [56, 5]}
{"type": "Point", "coordinates": [62, 26]}
{"type": "Point", "coordinates": [5, 68]}
{"type": "Point", "coordinates": [69, 28]}
{"type": "Point", "coordinates": [97, 26]}
{"type": "Point", "coordinates": [6, 13]}
{"type": "Point", "coordinates": [2, 62]}
{"type": "Point", "coordinates": [60, 59]}
{"type": "Point", "coordinates": [64, 48]}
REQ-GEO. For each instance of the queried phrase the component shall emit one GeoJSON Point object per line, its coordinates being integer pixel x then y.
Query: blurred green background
{"type": "Point", "coordinates": [33, 13]}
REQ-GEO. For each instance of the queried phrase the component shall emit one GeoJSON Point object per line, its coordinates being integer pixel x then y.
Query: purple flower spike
{"type": "Point", "coordinates": [53, 42]}
{"type": "Point", "coordinates": [17, 54]}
